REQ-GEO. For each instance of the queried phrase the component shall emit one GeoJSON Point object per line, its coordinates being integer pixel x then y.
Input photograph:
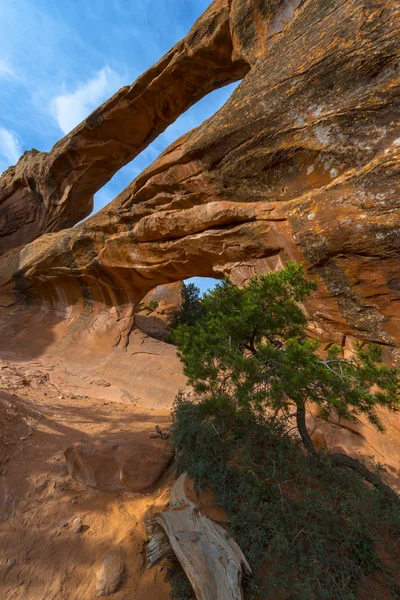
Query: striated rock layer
{"type": "Point", "coordinates": [48, 192]}
{"type": "Point", "coordinates": [301, 163]}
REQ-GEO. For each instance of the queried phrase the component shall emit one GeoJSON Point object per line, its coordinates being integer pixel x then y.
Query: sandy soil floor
{"type": "Point", "coordinates": [40, 557]}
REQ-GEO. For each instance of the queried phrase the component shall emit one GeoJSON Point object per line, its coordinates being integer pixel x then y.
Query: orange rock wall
{"type": "Point", "coordinates": [301, 163]}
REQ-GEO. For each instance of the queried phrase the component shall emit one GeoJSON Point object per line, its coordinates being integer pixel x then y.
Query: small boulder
{"type": "Point", "coordinates": [76, 525]}
{"type": "Point", "coordinates": [94, 464]}
{"type": "Point", "coordinates": [134, 465]}
{"type": "Point", "coordinates": [110, 574]}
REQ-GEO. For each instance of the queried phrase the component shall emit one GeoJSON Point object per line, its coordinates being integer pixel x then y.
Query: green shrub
{"type": "Point", "coordinates": [248, 349]}
{"type": "Point", "coordinates": [189, 310]}
{"type": "Point", "coordinates": [308, 530]}
{"type": "Point", "coordinates": [181, 588]}
{"type": "Point", "coordinates": [152, 305]}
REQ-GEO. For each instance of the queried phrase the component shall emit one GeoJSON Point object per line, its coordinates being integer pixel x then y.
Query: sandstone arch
{"type": "Point", "coordinates": [302, 162]}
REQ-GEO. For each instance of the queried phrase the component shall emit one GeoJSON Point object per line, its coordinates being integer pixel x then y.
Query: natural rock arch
{"type": "Point", "coordinates": [301, 163]}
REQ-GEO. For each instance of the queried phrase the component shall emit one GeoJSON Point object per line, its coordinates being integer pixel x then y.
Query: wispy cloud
{"type": "Point", "coordinates": [71, 108]}
{"type": "Point", "coordinates": [10, 149]}
{"type": "Point", "coordinates": [86, 52]}
{"type": "Point", "coordinates": [5, 69]}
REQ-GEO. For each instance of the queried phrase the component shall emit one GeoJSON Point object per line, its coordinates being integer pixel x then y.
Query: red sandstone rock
{"type": "Point", "coordinates": [47, 192]}
{"type": "Point", "coordinates": [110, 575]}
{"type": "Point", "coordinates": [76, 525]}
{"type": "Point", "coordinates": [156, 311]}
{"type": "Point", "coordinates": [301, 163]}
{"type": "Point", "coordinates": [253, 186]}
{"type": "Point", "coordinates": [134, 466]}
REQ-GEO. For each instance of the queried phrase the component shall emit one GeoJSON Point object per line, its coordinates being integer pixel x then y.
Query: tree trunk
{"type": "Point", "coordinates": [302, 427]}
{"type": "Point", "coordinates": [213, 563]}
{"type": "Point", "coordinates": [342, 460]}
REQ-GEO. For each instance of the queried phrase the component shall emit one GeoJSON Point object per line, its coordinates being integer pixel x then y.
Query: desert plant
{"type": "Point", "coordinates": [189, 309]}
{"type": "Point", "coordinates": [152, 306]}
{"type": "Point", "coordinates": [181, 588]}
{"type": "Point", "coordinates": [309, 531]}
{"type": "Point", "coordinates": [247, 352]}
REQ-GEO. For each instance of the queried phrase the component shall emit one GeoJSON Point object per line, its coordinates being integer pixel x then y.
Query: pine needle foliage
{"type": "Point", "coordinates": [248, 348]}
{"type": "Point", "coordinates": [189, 310]}
{"type": "Point", "coordinates": [308, 529]}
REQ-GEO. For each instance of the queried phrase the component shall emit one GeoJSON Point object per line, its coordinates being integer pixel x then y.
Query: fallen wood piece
{"type": "Point", "coordinates": [213, 563]}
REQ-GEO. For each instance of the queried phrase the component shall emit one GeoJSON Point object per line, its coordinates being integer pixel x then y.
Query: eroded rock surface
{"type": "Point", "coordinates": [301, 163]}
{"type": "Point", "coordinates": [155, 313]}
{"type": "Point", "coordinates": [47, 192]}
{"type": "Point", "coordinates": [135, 465]}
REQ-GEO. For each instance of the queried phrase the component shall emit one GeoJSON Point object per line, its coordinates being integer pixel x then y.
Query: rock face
{"type": "Point", "coordinates": [301, 163]}
{"type": "Point", "coordinates": [156, 311]}
{"type": "Point", "coordinates": [134, 466]}
{"type": "Point", "coordinates": [49, 192]}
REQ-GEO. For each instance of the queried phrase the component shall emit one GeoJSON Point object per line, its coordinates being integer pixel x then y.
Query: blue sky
{"type": "Point", "coordinates": [59, 59]}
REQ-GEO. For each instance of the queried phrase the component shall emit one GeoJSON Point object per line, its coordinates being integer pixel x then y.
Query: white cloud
{"type": "Point", "coordinates": [5, 69]}
{"type": "Point", "coordinates": [10, 149]}
{"type": "Point", "coordinates": [71, 109]}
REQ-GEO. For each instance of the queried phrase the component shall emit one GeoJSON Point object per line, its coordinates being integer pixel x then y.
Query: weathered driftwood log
{"type": "Point", "coordinates": [213, 563]}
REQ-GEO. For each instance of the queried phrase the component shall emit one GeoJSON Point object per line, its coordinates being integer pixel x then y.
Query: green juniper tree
{"type": "Point", "coordinates": [190, 307]}
{"type": "Point", "coordinates": [152, 306]}
{"type": "Point", "coordinates": [247, 351]}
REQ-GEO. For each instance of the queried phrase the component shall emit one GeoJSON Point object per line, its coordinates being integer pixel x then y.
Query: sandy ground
{"type": "Point", "coordinates": [45, 406]}
{"type": "Point", "coordinates": [37, 497]}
